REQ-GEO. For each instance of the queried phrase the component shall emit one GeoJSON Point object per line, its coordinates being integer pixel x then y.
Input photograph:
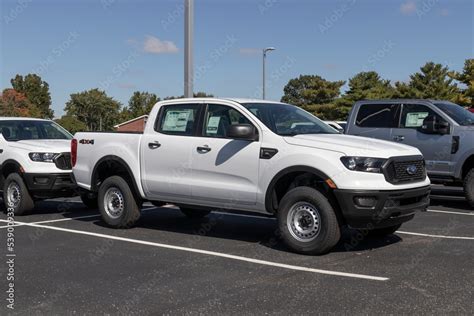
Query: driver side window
{"type": "Point", "coordinates": [413, 115]}
{"type": "Point", "coordinates": [218, 118]}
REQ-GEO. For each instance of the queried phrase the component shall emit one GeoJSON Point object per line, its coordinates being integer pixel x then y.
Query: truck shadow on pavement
{"type": "Point", "coordinates": [256, 230]}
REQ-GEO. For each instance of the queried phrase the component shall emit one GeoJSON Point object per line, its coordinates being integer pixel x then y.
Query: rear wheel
{"type": "Point", "coordinates": [469, 187]}
{"type": "Point", "coordinates": [16, 195]}
{"type": "Point", "coordinates": [89, 200]}
{"type": "Point", "coordinates": [308, 222]}
{"type": "Point", "coordinates": [158, 203]}
{"type": "Point", "coordinates": [117, 204]}
{"type": "Point", "coordinates": [381, 232]}
{"type": "Point", "coordinates": [194, 213]}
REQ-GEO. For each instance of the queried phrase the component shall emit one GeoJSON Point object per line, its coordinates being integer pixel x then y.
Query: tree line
{"type": "Point", "coordinates": [94, 110]}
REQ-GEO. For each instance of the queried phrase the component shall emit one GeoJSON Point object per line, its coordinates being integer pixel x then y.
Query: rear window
{"type": "Point", "coordinates": [178, 119]}
{"type": "Point", "coordinates": [378, 115]}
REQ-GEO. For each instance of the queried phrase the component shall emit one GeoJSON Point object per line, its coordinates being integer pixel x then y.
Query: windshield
{"type": "Point", "coordinates": [288, 120]}
{"type": "Point", "coordinates": [15, 130]}
{"type": "Point", "coordinates": [456, 112]}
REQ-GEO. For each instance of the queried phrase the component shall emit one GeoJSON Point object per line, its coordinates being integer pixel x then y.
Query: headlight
{"type": "Point", "coordinates": [364, 164]}
{"type": "Point", "coordinates": [42, 157]}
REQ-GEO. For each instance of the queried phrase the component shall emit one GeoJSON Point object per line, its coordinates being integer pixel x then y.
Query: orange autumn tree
{"type": "Point", "coordinates": [14, 103]}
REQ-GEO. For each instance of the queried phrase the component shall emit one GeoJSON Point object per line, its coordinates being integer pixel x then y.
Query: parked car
{"type": "Point", "coordinates": [471, 110]}
{"type": "Point", "coordinates": [34, 161]}
{"type": "Point", "coordinates": [441, 130]}
{"type": "Point", "coordinates": [335, 125]}
{"type": "Point", "coordinates": [205, 154]}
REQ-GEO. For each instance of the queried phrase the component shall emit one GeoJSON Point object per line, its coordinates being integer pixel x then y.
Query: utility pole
{"type": "Point", "coordinates": [188, 48]}
{"type": "Point", "coordinates": [265, 51]}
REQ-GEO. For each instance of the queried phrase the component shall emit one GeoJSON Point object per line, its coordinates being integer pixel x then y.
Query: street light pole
{"type": "Point", "coordinates": [188, 48]}
{"type": "Point", "coordinates": [265, 50]}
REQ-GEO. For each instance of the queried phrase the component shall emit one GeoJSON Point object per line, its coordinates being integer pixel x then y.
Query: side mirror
{"type": "Point", "coordinates": [434, 125]}
{"type": "Point", "coordinates": [242, 132]}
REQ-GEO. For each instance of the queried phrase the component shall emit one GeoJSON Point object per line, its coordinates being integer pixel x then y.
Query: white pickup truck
{"type": "Point", "coordinates": [34, 162]}
{"type": "Point", "coordinates": [251, 155]}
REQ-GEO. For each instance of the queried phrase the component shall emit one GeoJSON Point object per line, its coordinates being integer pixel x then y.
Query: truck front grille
{"type": "Point", "coordinates": [403, 170]}
{"type": "Point", "coordinates": [63, 161]}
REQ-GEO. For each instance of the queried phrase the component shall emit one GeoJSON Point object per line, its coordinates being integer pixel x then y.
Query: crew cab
{"type": "Point", "coordinates": [441, 130]}
{"type": "Point", "coordinates": [34, 162]}
{"type": "Point", "coordinates": [208, 154]}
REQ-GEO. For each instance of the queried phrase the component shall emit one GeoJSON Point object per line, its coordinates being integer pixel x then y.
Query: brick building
{"type": "Point", "coordinates": [135, 125]}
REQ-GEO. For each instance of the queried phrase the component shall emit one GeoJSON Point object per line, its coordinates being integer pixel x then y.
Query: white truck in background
{"type": "Point", "coordinates": [205, 154]}
{"type": "Point", "coordinates": [34, 163]}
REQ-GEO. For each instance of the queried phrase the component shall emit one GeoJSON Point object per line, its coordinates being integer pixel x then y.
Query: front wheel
{"type": "Point", "coordinates": [308, 222]}
{"type": "Point", "coordinates": [117, 204]}
{"type": "Point", "coordinates": [16, 195]}
{"type": "Point", "coordinates": [469, 187]}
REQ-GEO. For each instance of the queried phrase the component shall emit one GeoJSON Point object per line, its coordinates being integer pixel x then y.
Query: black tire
{"type": "Point", "coordinates": [122, 198]}
{"type": "Point", "coordinates": [25, 202]}
{"type": "Point", "coordinates": [90, 200]}
{"type": "Point", "coordinates": [194, 213]}
{"type": "Point", "coordinates": [382, 232]}
{"type": "Point", "coordinates": [314, 208]}
{"type": "Point", "coordinates": [469, 187]}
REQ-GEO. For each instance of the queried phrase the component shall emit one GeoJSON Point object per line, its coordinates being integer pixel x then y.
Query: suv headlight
{"type": "Point", "coordinates": [364, 164]}
{"type": "Point", "coordinates": [43, 157]}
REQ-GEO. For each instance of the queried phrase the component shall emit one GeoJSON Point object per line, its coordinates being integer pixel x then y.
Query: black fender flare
{"type": "Point", "coordinates": [118, 160]}
{"type": "Point", "coordinates": [282, 173]}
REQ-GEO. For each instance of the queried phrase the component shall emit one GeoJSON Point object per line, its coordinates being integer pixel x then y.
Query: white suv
{"type": "Point", "coordinates": [251, 155]}
{"type": "Point", "coordinates": [34, 162]}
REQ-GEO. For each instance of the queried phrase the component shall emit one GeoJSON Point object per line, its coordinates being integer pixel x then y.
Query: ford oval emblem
{"type": "Point", "coordinates": [411, 170]}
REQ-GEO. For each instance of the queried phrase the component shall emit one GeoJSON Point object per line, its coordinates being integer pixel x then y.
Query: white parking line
{"type": "Point", "coordinates": [51, 221]}
{"type": "Point", "coordinates": [449, 212]}
{"type": "Point", "coordinates": [435, 236]}
{"type": "Point", "coordinates": [212, 253]}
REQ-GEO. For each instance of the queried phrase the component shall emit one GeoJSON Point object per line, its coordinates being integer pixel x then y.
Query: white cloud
{"type": "Point", "coordinates": [408, 8]}
{"type": "Point", "coordinates": [154, 45]}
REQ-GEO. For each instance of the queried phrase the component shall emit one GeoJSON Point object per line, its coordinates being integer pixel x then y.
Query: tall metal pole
{"type": "Point", "coordinates": [188, 48]}
{"type": "Point", "coordinates": [265, 50]}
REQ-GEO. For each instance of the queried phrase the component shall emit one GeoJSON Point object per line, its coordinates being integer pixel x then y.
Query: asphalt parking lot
{"type": "Point", "coordinates": [67, 262]}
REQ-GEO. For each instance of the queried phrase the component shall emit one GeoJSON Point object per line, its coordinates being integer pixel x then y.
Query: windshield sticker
{"type": "Point", "coordinates": [415, 119]}
{"type": "Point", "coordinates": [176, 121]}
{"type": "Point", "coordinates": [213, 124]}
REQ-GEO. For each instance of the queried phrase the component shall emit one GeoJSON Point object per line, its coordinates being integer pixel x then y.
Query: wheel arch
{"type": "Point", "coordinates": [9, 166]}
{"type": "Point", "coordinates": [112, 165]}
{"type": "Point", "coordinates": [467, 166]}
{"type": "Point", "coordinates": [285, 179]}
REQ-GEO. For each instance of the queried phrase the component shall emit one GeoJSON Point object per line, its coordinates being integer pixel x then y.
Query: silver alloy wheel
{"type": "Point", "coordinates": [114, 203]}
{"type": "Point", "coordinates": [13, 194]}
{"type": "Point", "coordinates": [304, 221]}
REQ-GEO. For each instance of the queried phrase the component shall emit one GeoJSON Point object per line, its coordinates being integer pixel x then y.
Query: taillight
{"type": "Point", "coordinates": [73, 152]}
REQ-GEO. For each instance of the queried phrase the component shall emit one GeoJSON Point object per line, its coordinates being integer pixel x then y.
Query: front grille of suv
{"type": "Point", "coordinates": [403, 170]}
{"type": "Point", "coordinates": [63, 161]}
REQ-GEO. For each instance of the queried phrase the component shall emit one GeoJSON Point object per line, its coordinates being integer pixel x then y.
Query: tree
{"type": "Point", "coordinates": [432, 82]}
{"type": "Point", "coordinates": [37, 92]}
{"type": "Point", "coordinates": [308, 90]}
{"type": "Point", "coordinates": [14, 103]}
{"type": "Point", "coordinates": [94, 108]}
{"type": "Point", "coordinates": [72, 124]}
{"type": "Point", "coordinates": [466, 77]}
{"type": "Point", "coordinates": [141, 103]}
{"type": "Point", "coordinates": [199, 94]}
{"type": "Point", "coordinates": [368, 85]}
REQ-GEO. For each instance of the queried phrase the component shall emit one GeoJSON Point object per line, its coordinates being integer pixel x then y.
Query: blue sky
{"type": "Point", "coordinates": [121, 45]}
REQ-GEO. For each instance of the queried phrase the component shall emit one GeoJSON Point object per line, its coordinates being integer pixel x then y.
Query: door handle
{"type": "Point", "coordinates": [203, 149]}
{"type": "Point", "coordinates": [399, 138]}
{"type": "Point", "coordinates": [154, 145]}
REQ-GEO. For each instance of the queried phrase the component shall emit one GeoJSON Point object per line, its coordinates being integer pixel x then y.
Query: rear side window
{"type": "Point", "coordinates": [378, 115]}
{"type": "Point", "coordinates": [178, 119]}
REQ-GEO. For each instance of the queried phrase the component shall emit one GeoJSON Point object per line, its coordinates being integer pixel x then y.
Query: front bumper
{"type": "Point", "coordinates": [378, 209]}
{"type": "Point", "coordinates": [50, 185]}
